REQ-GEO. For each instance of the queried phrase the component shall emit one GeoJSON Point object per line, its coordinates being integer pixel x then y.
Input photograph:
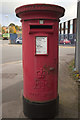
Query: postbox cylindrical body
{"type": "Point", "coordinates": [40, 58]}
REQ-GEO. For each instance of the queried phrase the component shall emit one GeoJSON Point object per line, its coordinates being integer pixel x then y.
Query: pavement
{"type": "Point", "coordinates": [12, 87]}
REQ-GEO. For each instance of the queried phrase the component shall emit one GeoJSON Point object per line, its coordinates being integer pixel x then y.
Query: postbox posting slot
{"type": "Point", "coordinates": [35, 28]}
{"type": "Point", "coordinates": [40, 26]}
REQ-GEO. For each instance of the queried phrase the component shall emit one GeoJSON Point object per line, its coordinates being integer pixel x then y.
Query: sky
{"type": "Point", "coordinates": [7, 9]}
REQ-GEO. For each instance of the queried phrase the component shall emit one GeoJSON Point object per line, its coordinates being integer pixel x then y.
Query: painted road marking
{"type": "Point", "coordinates": [67, 46]}
{"type": "Point", "coordinates": [13, 45]}
{"type": "Point", "coordinates": [20, 61]}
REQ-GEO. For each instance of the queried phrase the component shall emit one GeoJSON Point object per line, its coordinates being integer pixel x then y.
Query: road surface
{"type": "Point", "coordinates": [12, 86]}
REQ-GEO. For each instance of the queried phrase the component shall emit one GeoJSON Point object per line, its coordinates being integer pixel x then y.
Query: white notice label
{"type": "Point", "coordinates": [41, 45]}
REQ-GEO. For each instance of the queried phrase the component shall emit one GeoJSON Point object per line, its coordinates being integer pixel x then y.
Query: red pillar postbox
{"type": "Point", "coordinates": [40, 58]}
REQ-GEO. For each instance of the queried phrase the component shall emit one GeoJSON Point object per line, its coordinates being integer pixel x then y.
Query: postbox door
{"type": "Point", "coordinates": [45, 68]}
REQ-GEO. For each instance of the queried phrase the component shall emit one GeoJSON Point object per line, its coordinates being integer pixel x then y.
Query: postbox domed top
{"type": "Point", "coordinates": [39, 10]}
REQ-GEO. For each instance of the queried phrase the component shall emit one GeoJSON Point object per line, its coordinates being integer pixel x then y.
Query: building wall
{"type": "Point", "coordinates": [67, 30]}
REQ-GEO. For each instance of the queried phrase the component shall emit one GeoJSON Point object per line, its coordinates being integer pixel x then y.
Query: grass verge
{"type": "Point", "coordinates": [73, 72]}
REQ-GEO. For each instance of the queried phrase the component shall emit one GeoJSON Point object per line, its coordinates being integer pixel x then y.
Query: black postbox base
{"type": "Point", "coordinates": [40, 110]}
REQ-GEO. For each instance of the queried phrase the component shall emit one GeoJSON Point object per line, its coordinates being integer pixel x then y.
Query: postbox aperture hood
{"type": "Point", "coordinates": [39, 11]}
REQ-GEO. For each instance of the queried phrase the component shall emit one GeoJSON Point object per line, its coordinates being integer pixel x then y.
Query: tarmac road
{"type": "Point", "coordinates": [12, 86]}
{"type": "Point", "coordinates": [11, 53]}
